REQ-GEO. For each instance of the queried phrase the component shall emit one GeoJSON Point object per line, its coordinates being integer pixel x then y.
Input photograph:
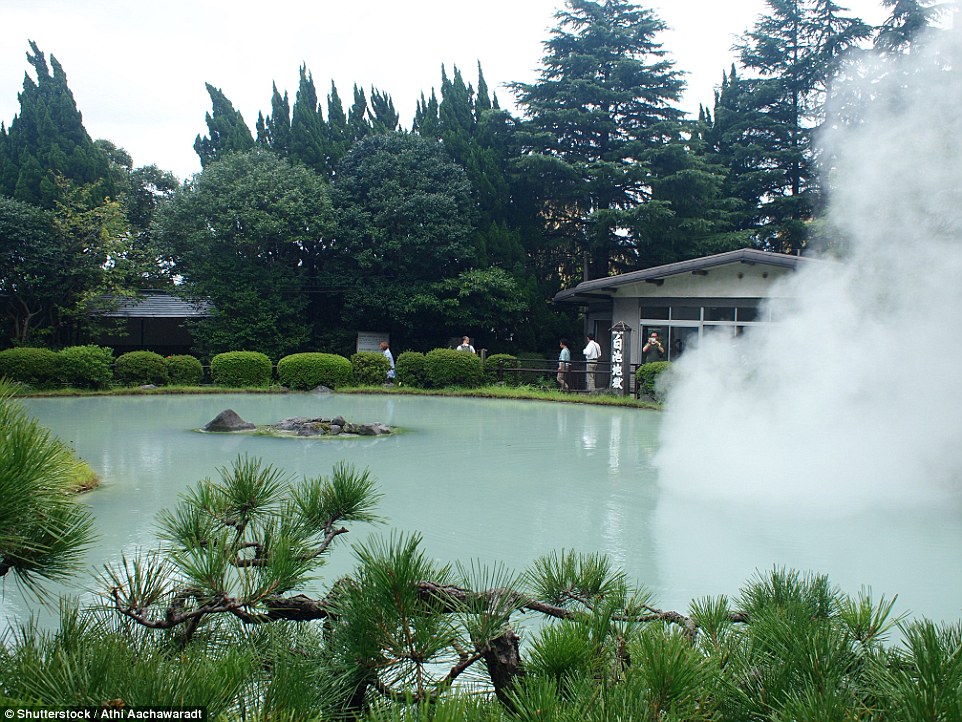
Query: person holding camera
{"type": "Point", "coordinates": [653, 350]}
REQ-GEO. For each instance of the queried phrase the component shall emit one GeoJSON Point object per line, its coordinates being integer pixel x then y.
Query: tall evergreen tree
{"type": "Point", "coordinates": [357, 120]}
{"type": "Point", "coordinates": [426, 122]}
{"type": "Point", "coordinates": [274, 131]}
{"type": "Point", "coordinates": [907, 19]}
{"type": "Point", "coordinates": [47, 140]}
{"type": "Point", "coordinates": [604, 101]}
{"type": "Point", "coordinates": [308, 131]}
{"type": "Point", "coordinates": [383, 116]}
{"type": "Point", "coordinates": [338, 131]}
{"type": "Point", "coordinates": [795, 51]}
{"type": "Point", "coordinates": [228, 131]}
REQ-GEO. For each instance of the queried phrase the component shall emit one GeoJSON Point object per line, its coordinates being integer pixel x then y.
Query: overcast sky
{"type": "Point", "coordinates": [137, 69]}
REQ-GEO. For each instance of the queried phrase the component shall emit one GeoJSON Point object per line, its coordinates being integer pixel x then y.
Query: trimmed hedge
{"type": "Point", "coordinates": [86, 367]}
{"type": "Point", "coordinates": [370, 368]}
{"type": "Point", "coordinates": [449, 367]}
{"type": "Point", "coordinates": [136, 368]}
{"type": "Point", "coordinates": [184, 370]}
{"type": "Point", "coordinates": [409, 370]}
{"type": "Point", "coordinates": [491, 364]}
{"type": "Point", "coordinates": [305, 371]}
{"type": "Point", "coordinates": [33, 366]}
{"type": "Point", "coordinates": [647, 378]}
{"type": "Point", "coordinates": [241, 369]}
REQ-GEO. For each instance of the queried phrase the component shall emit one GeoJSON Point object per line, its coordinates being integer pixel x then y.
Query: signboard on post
{"type": "Point", "coordinates": [621, 358]}
{"type": "Point", "coordinates": [371, 341]}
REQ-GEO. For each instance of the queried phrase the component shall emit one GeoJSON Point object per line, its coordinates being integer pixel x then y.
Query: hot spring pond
{"type": "Point", "coordinates": [503, 482]}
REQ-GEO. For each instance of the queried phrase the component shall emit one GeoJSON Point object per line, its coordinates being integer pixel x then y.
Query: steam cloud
{"type": "Point", "coordinates": [855, 397]}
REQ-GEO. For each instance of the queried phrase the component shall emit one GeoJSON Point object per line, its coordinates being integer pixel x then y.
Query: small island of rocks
{"type": "Point", "coordinates": [228, 421]}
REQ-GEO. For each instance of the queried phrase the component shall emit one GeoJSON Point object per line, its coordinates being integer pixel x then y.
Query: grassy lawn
{"type": "Point", "coordinates": [489, 392]}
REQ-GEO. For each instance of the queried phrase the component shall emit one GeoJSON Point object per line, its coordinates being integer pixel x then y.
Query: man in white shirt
{"type": "Point", "coordinates": [592, 353]}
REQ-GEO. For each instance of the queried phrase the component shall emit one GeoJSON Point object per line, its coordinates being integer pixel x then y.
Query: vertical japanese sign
{"type": "Point", "coordinates": [621, 358]}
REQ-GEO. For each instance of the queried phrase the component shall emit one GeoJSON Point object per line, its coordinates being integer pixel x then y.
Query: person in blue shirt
{"type": "Point", "coordinates": [564, 363]}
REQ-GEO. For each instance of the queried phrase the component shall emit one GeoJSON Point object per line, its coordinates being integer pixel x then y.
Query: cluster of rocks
{"type": "Point", "coordinates": [303, 426]}
{"type": "Point", "coordinates": [228, 420]}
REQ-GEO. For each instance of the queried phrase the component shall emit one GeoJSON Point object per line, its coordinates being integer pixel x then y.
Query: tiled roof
{"type": "Point", "coordinates": [157, 305]}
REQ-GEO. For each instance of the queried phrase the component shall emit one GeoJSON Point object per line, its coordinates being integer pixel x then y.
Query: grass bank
{"type": "Point", "coordinates": [529, 393]}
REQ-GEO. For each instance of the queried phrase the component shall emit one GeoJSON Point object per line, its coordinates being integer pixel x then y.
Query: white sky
{"type": "Point", "coordinates": [137, 68]}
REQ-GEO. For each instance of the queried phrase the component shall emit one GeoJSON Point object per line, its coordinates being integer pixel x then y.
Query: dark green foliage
{"type": "Point", "coordinates": [410, 370]}
{"type": "Point", "coordinates": [504, 361]}
{"type": "Point", "coordinates": [922, 681]}
{"type": "Point", "coordinates": [305, 371]}
{"type": "Point", "coordinates": [47, 141]}
{"type": "Point", "coordinates": [250, 233]}
{"type": "Point", "coordinates": [29, 238]}
{"type": "Point", "coordinates": [445, 367]}
{"type": "Point", "coordinates": [136, 368]}
{"type": "Point", "coordinates": [308, 136]}
{"type": "Point", "coordinates": [184, 370]}
{"type": "Point", "coordinates": [649, 379]}
{"type": "Point", "coordinates": [91, 659]}
{"type": "Point", "coordinates": [370, 368]}
{"type": "Point", "coordinates": [44, 534]}
{"type": "Point", "coordinates": [404, 226]}
{"type": "Point", "coordinates": [228, 131]}
{"type": "Point", "coordinates": [86, 367]}
{"type": "Point", "coordinates": [604, 102]}
{"type": "Point", "coordinates": [240, 369]}
{"type": "Point", "coordinates": [37, 367]}
{"type": "Point", "coordinates": [796, 50]}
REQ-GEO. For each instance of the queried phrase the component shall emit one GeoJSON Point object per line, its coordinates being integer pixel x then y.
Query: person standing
{"type": "Point", "coordinates": [653, 350]}
{"type": "Point", "coordinates": [466, 345]}
{"type": "Point", "coordinates": [386, 350]}
{"type": "Point", "coordinates": [564, 363]}
{"type": "Point", "coordinates": [592, 353]}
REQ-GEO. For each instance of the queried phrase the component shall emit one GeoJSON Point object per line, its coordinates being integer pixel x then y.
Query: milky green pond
{"type": "Point", "coordinates": [501, 482]}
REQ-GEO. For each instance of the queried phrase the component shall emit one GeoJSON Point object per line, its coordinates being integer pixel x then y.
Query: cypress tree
{"type": "Point", "coordinates": [426, 122]}
{"type": "Point", "coordinates": [308, 130]}
{"type": "Point", "coordinates": [228, 131]}
{"type": "Point", "coordinates": [357, 121]}
{"type": "Point", "coordinates": [48, 140]}
{"type": "Point", "coordinates": [274, 131]}
{"type": "Point", "coordinates": [338, 132]}
{"type": "Point", "coordinates": [384, 118]}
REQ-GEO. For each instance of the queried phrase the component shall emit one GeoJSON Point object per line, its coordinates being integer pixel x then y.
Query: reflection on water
{"type": "Point", "coordinates": [497, 481]}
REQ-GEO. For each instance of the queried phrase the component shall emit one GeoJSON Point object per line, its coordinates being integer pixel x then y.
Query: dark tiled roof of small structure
{"type": "Point", "coordinates": [157, 305]}
{"type": "Point", "coordinates": [743, 255]}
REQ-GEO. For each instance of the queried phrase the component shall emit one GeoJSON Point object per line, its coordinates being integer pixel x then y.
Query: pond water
{"type": "Point", "coordinates": [502, 482]}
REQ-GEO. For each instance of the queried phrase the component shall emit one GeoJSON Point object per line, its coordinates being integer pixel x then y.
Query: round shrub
{"type": "Point", "coordinates": [34, 366]}
{"type": "Point", "coordinates": [505, 360]}
{"type": "Point", "coordinates": [305, 371]}
{"type": "Point", "coordinates": [647, 377]}
{"type": "Point", "coordinates": [86, 367]}
{"type": "Point", "coordinates": [136, 368]}
{"type": "Point", "coordinates": [370, 368]}
{"type": "Point", "coordinates": [409, 370]}
{"type": "Point", "coordinates": [184, 370]}
{"type": "Point", "coordinates": [241, 369]}
{"type": "Point", "coordinates": [449, 367]}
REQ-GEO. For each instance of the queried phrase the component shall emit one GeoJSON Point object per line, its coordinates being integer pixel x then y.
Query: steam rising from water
{"type": "Point", "coordinates": [855, 397]}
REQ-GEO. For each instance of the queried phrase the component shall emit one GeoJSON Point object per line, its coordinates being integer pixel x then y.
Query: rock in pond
{"type": "Point", "coordinates": [228, 420]}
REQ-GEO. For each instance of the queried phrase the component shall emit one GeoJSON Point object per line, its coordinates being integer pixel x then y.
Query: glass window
{"type": "Point", "coordinates": [747, 313]}
{"type": "Point", "coordinates": [654, 312]}
{"type": "Point", "coordinates": [719, 313]}
{"type": "Point", "coordinates": [686, 313]}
